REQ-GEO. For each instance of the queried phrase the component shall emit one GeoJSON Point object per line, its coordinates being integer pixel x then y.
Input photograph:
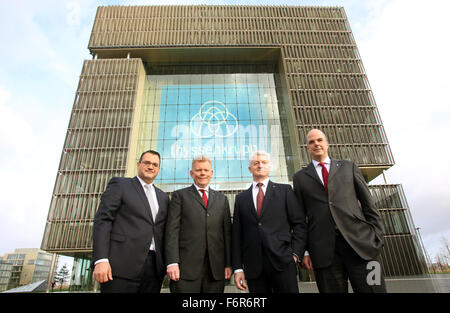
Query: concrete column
{"type": "Point", "coordinates": [51, 273]}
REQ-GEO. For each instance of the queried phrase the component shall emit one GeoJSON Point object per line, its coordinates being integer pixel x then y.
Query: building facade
{"type": "Point", "coordinates": [5, 274]}
{"type": "Point", "coordinates": [222, 81]}
{"type": "Point", "coordinates": [26, 266]}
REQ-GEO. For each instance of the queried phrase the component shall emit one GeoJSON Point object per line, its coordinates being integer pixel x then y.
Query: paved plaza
{"type": "Point", "coordinates": [436, 283]}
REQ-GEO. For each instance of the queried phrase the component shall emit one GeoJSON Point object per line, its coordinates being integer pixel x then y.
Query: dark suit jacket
{"type": "Point", "coordinates": [280, 231]}
{"type": "Point", "coordinates": [124, 227]}
{"type": "Point", "coordinates": [191, 227]}
{"type": "Point", "coordinates": [348, 204]}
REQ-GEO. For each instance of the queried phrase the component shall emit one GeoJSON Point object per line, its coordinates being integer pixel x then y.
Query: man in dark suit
{"type": "Point", "coordinates": [198, 235]}
{"type": "Point", "coordinates": [268, 233]}
{"type": "Point", "coordinates": [129, 229]}
{"type": "Point", "coordinates": [344, 227]}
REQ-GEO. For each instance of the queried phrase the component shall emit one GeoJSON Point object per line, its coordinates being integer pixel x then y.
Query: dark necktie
{"type": "Point", "coordinates": [324, 176]}
{"type": "Point", "coordinates": [259, 200]}
{"type": "Point", "coordinates": [204, 197]}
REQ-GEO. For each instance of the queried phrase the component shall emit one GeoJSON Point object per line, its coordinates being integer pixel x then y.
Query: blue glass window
{"type": "Point", "coordinates": [223, 116]}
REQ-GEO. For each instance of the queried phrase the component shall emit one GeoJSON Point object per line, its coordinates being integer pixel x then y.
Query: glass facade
{"type": "Point", "coordinates": [26, 266]}
{"type": "Point", "coordinates": [42, 267]}
{"type": "Point", "coordinates": [5, 274]}
{"type": "Point", "coordinates": [223, 116]}
{"type": "Point", "coordinates": [403, 253]}
{"type": "Point", "coordinates": [82, 275]}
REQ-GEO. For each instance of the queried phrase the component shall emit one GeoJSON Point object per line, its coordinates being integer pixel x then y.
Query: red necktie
{"type": "Point", "coordinates": [204, 197]}
{"type": "Point", "coordinates": [324, 176]}
{"type": "Point", "coordinates": [259, 200]}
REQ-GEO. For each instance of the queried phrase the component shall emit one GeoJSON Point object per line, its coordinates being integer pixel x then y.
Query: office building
{"type": "Point", "coordinates": [222, 81]}
{"type": "Point", "coordinates": [26, 266]}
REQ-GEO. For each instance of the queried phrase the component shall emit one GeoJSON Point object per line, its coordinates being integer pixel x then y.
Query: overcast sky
{"type": "Point", "coordinates": [403, 44]}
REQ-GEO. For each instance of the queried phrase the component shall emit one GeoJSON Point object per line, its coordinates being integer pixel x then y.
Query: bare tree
{"type": "Point", "coordinates": [446, 249]}
{"type": "Point", "coordinates": [443, 256]}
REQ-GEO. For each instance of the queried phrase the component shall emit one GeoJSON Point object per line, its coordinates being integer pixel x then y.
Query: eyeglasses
{"type": "Point", "coordinates": [262, 163]}
{"type": "Point", "coordinates": [148, 163]}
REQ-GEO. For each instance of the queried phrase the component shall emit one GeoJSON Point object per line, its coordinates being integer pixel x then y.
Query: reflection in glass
{"type": "Point", "coordinates": [223, 116]}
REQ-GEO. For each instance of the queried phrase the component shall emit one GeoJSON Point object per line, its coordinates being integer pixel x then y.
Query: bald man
{"type": "Point", "coordinates": [344, 227]}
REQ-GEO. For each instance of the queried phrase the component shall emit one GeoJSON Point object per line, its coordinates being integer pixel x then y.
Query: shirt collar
{"type": "Point", "coordinates": [264, 182]}
{"type": "Point", "coordinates": [198, 188]}
{"type": "Point", "coordinates": [327, 161]}
{"type": "Point", "coordinates": [143, 183]}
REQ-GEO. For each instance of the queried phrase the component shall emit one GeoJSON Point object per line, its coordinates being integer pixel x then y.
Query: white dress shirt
{"type": "Point", "coordinates": [153, 202]}
{"type": "Point", "coordinates": [318, 167]}
{"type": "Point", "coordinates": [201, 193]}
{"type": "Point", "coordinates": [255, 189]}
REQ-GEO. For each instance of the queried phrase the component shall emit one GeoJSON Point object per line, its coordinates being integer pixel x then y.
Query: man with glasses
{"type": "Point", "coordinates": [129, 228]}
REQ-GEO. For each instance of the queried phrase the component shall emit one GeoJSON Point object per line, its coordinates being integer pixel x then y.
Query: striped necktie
{"type": "Point", "coordinates": [324, 176]}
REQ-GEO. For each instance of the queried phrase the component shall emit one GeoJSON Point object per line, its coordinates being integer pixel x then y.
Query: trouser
{"type": "Point", "coordinates": [347, 266]}
{"type": "Point", "coordinates": [205, 283]}
{"type": "Point", "coordinates": [148, 281]}
{"type": "Point", "coordinates": [273, 281]}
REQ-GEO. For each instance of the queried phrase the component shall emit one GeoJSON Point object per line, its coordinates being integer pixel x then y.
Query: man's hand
{"type": "Point", "coordinates": [102, 272]}
{"type": "Point", "coordinates": [173, 271]}
{"type": "Point", "coordinates": [295, 259]}
{"type": "Point", "coordinates": [228, 272]}
{"type": "Point", "coordinates": [307, 263]}
{"type": "Point", "coordinates": [239, 280]}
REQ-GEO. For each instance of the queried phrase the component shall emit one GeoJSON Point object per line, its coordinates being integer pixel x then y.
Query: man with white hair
{"type": "Point", "coordinates": [268, 234]}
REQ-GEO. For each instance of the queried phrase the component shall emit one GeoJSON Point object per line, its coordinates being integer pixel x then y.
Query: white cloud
{"type": "Point", "coordinates": [16, 135]}
{"type": "Point", "coordinates": [46, 38]}
{"type": "Point", "coordinates": [20, 186]}
{"type": "Point", "coordinates": [405, 52]}
{"type": "Point", "coordinates": [73, 13]}
{"type": "Point", "coordinates": [434, 243]}
{"type": "Point", "coordinates": [20, 18]}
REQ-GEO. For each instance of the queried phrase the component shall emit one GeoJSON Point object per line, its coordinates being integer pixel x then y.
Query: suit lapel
{"type": "Point", "coordinates": [137, 185]}
{"type": "Point", "coordinates": [161, 202]}
{"type": "Point", "coordinates": [335, 165]}
{"type": "Point", "coordinates": [311, 171]}
{"type": "Point", "coordinates": [211, 198]}
{"type": "Point", "coordinates": [197, 197]}
{"type": "Point", "coordinates": [270, 190]}
{"type": "Point", "coordinates": [250, 203]}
